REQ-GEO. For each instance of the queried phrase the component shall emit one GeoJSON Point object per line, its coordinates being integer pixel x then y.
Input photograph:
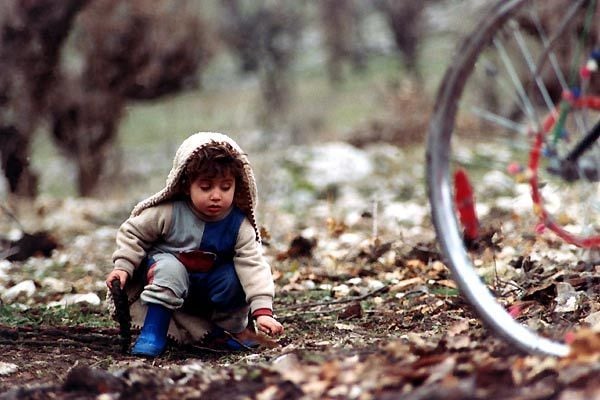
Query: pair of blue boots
{"type": "Point", "coordinates": [153, 337]}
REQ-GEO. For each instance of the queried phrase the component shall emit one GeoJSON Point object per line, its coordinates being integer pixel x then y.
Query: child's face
{"type": "Point", "coordinates": [212, 197]}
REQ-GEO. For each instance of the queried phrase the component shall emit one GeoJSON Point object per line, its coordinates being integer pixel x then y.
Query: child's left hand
{"type": "Point", "coordinates": [269, 325]}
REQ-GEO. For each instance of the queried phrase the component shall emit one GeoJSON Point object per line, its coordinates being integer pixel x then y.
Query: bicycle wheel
{"type": "Point", "coordinates": [513, 161]}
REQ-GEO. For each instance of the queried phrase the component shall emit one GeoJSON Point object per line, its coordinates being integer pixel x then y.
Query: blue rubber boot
{"type": "Point", "coordinates": [153, 337]}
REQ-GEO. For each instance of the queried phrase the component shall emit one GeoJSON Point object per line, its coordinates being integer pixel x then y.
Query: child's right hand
{"type": "Point", "coordinates": [121, 275]}
{"type": "Point", "coordinates": [269, 325]}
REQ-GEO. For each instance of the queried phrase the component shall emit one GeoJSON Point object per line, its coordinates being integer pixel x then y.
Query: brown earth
{"type": "Point", "coordinates": [412, 339]}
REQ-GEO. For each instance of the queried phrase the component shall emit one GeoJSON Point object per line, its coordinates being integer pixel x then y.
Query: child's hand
{"type": "Point", "coordinates": [119, 274]}
{"type": "Point", "coordinates": [269, 325]}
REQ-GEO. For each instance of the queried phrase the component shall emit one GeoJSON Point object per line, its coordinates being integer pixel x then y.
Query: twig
{"type": "Point", "coordinates": [12, 216]}
{"type": "Point", "coordinates": [95, 338]}
{"type": "Point", "coordinates": [122, 314]}
{"type": "Point", "coordinates": [375, 232]}
{"type": "Point", "coordinates": [68, 342]}
{"type": "Point", "coordinates": [511, 283]}
{"type": "Point", "coordinates": [339, 301]}
{"type": "Point", "coordinates": [194, 349]}
{"type": "Point", "coordinates": [328, 311]}
{"type": "Point", "coordinates": [15, 332]}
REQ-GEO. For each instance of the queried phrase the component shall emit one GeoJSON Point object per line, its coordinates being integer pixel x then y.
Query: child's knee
{"type": "Point", "coordinates": [166, 271]}
{"type": "Point", "coordinates": [161, 295]}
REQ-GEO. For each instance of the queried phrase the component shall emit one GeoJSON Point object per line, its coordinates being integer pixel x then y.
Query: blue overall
{"type": "Point", "coordinates": [216, 294]}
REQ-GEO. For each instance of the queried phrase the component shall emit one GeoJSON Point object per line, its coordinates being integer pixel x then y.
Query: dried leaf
{"type": "Point", "coordinates": [354, 310]}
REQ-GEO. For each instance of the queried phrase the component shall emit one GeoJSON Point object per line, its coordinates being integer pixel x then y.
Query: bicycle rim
{"type": "Point", "coordinates": [500, 127]}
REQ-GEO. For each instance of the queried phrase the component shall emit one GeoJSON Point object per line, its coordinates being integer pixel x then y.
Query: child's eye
{"type": "Point", "coordinates": [225, 188]}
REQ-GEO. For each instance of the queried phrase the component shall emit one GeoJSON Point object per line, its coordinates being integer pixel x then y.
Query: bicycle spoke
{"type": "Point", "coordinates": [531, 65]}
{"type": "Point", "coordinates": [512, 108]}
{"type": "Point", "coordinates": [499, 120]}
{"type": "Point", "coordinates": [548, 42]}
{"type": "Point", "coordinates": [517, 84]}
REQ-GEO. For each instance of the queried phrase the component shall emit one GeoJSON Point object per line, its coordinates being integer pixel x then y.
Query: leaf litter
{"type": "Point", "coordinates": [370, 310]}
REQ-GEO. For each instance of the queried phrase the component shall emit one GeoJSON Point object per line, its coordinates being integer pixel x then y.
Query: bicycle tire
{"type": "Point", "coordinates": [448, 225]}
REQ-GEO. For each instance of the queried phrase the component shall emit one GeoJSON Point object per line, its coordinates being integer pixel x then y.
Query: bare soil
{"type": "Point", "coordinates": [382, 343]}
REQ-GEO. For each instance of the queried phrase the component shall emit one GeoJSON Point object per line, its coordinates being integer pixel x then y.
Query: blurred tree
{"type": "Point", "coordinates": [143, 49]}
{"type": "Point", "coordinates": [406, 22]}
{"type": "Point", "coordinates": [133, 50]}
{"type": "Point", "coordinates": [83, 123]}
{"type": "Point", "coordinates": [341, 25]}
{"type": "Point", "coordinates": [32, 35]}
{"type": "Point", "coordinates": [239, 31]}
{"type": "Point", "coordinates": [265, 37]}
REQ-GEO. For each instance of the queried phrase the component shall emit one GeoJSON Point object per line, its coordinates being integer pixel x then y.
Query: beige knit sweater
{"type": "Point", "coordinates": [138, 233]}
{"type": "Point", "coordinates": [152, 217]}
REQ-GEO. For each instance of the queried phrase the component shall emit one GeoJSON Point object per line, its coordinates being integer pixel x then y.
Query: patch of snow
{"type": "Point", "coordinates": [405, 212]}
{"type": "Point", "coordinates": [594, 321]}
{"type": "Point", "coordinates": [351, 238]}
{"type": "Point", "coordinates": [8, 368]}
{"type": "Point", "coordinates": [375, 284]}
{"type": "Point", "coordinates": [482, 209]}
{"type": "Point", "coordinates": [337, 162]}
{"type": "Point", "coordinates": [5, 266]}
{"type": "Point", "coordinates": [70, 299]}
{"type": "Point", "coordinates": [354, 281]}
{"type": "Point", "coordinates": [53, 285]}
{"type": "Point", "coordinates": [309, 284]}
{"type": "Point", "coordinates": [567, 298]}
{"type": "Point", "coordinates": [497, 180]}
{"type": "Point", "coordinates": [14, 234]}
{"type": "Point", "coordinates": [25, 288]}
{"type": "Point", "coordinates": [353, 217]}
{"type": "Point", "coordinates": [341, 290]}
{"type": "Point", "coordinates": [492, 151]}
{"type": "Point", "coordinates": [519, 204]}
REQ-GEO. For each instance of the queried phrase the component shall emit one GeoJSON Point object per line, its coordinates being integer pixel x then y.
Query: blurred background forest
{"type": "Point", "coordinates": [96, 95]}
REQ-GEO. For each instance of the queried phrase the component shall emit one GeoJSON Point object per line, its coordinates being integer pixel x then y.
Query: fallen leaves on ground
{"type": "Point", "coordinates": [366, 317]}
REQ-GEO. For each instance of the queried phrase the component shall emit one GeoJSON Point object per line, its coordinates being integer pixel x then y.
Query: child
{"type": "Point", "coordinates": [197, 247]}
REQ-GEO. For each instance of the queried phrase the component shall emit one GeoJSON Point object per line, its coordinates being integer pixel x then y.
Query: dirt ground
{"type": "Point", "coordinates": [365, 318]}
{"type": "Point", "coordinates": [413, 339]}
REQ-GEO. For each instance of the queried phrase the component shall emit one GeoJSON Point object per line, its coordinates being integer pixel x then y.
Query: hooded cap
{"type": "Point", "coordinates": [246, 196]}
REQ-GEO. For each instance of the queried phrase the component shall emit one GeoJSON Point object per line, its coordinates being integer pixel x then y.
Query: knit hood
{"type": "Point", "coordinates": [246, 196]}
